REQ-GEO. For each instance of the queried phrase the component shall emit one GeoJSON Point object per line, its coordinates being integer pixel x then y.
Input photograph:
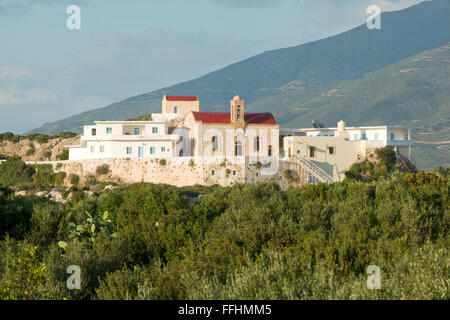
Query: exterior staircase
{"type": "Point", "coordinates": [313, 170]}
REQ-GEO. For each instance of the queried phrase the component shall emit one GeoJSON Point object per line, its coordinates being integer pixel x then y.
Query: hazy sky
{"type": "Point", "coordinates": [125, 48]}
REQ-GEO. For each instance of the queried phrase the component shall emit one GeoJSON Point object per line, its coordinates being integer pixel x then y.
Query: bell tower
{"type": "Point", "coordinates": [237, 112]}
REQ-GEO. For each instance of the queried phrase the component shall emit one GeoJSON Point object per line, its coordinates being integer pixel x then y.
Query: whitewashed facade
{"type": "Point", "coordinates": [125, 139]}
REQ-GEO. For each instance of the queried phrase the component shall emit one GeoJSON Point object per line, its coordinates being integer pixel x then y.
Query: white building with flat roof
{"type": "Point", "coordinates": [334, 150]}
{"type": "Point", "coordinates": [125, 139]}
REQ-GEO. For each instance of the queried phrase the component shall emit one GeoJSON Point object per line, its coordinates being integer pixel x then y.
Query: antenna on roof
{"type": "Point", "coordinates": [316, 124]}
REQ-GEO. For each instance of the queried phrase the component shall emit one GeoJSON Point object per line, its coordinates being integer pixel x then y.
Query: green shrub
{"type": "Point", "coordinates": [386, 156]}
{"type": "Point", "coordinates": [59, 178]}
{"type": "Point", "coordinates": [119, 285]}
{"type": "Point", "coordinates": [15, 216]}
{"type": "Point", "coordinates": [74, 179]}
{"type": "Point", "coordinates": [44, 175]}
{"type": "Point", "coordinates": [47, 154]}
{"type": "Point", "coordinates": [162, 162]}
{"type": "Point", "coordinates": [30, 152]}
{"type": "Point", "coordinates": [93, 228]}
{"type": "Point", "coordinates": [25, 277]}
{"type": "Point", "coordinates": [15, 172]}
{"type": "Point", "coordinates": [90, 180]}
{"type": "Point", "coordinates": [384, 164]}
{"type": "Point", "coordinates": [48, 223]}
{"type": "Point", "coordinates": [39, 137]}
{"type": "Point", "coordinates": [64, 155]}
{"type": "Point", "coordinates": [15, 139]}
{"type": "Point", "coordinates": [65, 135]}
{"type": "Point", "coordinates": [288, 175]}
{"type": "Point", "coordinates": [102, 170]}
{"type": "Point", "coordinates": [7, 136]}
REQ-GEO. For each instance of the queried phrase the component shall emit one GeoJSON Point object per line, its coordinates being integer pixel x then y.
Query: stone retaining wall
{"type": "Point", "coordinates": [177, 173]}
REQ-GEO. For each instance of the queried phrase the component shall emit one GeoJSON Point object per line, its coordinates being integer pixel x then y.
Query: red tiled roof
{"type": "Point", "coordinates": [224, 117]}
{"type": "Point", "coordinates": [181, 98]}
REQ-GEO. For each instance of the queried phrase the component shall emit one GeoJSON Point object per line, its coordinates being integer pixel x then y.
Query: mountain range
{"type": "Point", "coordinates": [398, 74]}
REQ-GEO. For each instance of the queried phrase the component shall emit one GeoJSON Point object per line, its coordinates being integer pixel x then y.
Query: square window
{"type": "Point", "coordinates": [331, 150]}
{"type": "Point", "coordinates": [312, 152]}
{"type": "Point", "coordinates": [108, 130]}
{"type": "Point", "coordinates": [364, 136]}
{"type": "Point", "coordinates": [392, 136]}
{"type": "Point", "coordinates": [213, 172]}
{"type": "Point", "coordinates": [175, 109]}
{"type": "Point", "coordinates": [163, 149]}
{"type": "Point", "coordinates": [94, 131]}
{"type": "Point", "coordinates": [152, 150]}
{"type": "Point", "coordinates": [136, 131]}
{"type": "Point", "coordinates": [234, 172]}
{"type": "Point", "coordinates": [129, 150]}
{"type": "Point", "coordinates": [154, 129]}
{"type": "Point", "coordinates": [92, 149]}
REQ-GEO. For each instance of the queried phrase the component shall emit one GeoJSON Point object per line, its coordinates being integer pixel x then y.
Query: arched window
{"type": "Point", "coordinates": [270, 151]}
{"type": "Point", "coordinates": [215, 143]}
{"type": "Point", "coordinates": [238, 113]}
{"type": "Point", "coordinates": [238, 148]}
{"type": "Point", "coordinates": [256, 144]}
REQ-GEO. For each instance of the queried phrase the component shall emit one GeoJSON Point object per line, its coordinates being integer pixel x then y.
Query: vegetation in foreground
{"type": "Point", "coordinates": [147, 241]}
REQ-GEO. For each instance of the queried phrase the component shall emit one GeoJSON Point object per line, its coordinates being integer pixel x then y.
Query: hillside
{"type": "Point", "coordinates": [347, 56]}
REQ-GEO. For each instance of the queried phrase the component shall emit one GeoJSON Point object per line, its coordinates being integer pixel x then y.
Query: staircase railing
{"type": "Point", "coordinates": [314, 170]}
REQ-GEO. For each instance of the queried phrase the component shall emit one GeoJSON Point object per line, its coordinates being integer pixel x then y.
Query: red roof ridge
{"type": "Point", "coordinates": [224, 117]}
{"type": "Point", "coordinates": [181, 98]}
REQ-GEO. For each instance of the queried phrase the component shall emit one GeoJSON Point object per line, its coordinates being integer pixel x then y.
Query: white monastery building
{"type": "Point", "coordinates": [183, 131]}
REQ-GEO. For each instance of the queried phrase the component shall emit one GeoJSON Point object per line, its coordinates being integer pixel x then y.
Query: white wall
{"type": "Point", "coordinates": [118, 149]}
{"type": "Point", "coordinates": [77, 153]}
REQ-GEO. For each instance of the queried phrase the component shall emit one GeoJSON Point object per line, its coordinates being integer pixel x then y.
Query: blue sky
{"type": "Point", "coordinates": [125, 48]}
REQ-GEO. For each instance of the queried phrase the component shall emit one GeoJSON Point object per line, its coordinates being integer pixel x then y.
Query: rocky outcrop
{"type": "Point", "coordinates": [29, 150]}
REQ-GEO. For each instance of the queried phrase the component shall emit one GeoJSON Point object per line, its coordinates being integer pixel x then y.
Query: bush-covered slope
{"type": "Point", "coordinates": [240, 242]}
